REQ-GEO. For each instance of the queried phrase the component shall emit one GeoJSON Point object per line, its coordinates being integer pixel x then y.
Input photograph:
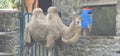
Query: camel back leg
{"type": "Point", "coordinates": [26, 50]}
{"type": "Point", "coordinates": [27, 47]}
{"type": "Point", "coordinates": [50, 43]}
{"type": "Point", "coordinates": [59, 45]}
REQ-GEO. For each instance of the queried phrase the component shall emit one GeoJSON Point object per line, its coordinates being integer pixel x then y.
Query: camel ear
{"type": "Point", "coordinates": [74, 20]}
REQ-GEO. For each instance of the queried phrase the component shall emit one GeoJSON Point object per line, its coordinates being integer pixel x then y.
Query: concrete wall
{"type": "Point", "coordinates": [8, 20]}
{"type": "Point", "coordinates": [104, 20]}
{"type": "Point", "coordinates": [9, 30]}
{"type": "Point", "coordinates": [93, 46]}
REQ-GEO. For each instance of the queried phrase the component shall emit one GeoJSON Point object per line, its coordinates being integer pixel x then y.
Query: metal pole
{"type": "Point", "coordinates": [52, 2]}
{"type": "Point", "coordinates": [22, 25]}
{"type": "Point", "coordinates": [55, 50]}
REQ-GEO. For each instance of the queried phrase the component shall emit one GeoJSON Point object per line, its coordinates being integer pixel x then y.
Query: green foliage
{"type": "Point", "coordinates": [3, 4]}
{"type": "Point", "coordinates": [8, 4]}
{"type": "Point", "coordinates": [14, 3]}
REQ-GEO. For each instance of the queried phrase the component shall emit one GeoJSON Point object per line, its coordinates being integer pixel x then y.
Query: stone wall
{"type": "Point", "coordinates": [97, 45]}
{"type": "Point", "coordinates": [9, 30]}
{"type": "Point", "coordinates": [93, 46]}
{"type": "Point", "coordinates": [8, 20]}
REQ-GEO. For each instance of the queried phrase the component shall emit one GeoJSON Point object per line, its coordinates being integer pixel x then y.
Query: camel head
{"type": "Point", "coordinates": [76, 21]}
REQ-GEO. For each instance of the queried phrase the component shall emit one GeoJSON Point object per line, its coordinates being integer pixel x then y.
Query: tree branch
{"type": "Point", "coordinates": [33, 5]}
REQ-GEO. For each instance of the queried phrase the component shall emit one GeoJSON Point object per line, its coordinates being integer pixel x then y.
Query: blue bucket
{"type": "Point", "coordinates": [85, 17]}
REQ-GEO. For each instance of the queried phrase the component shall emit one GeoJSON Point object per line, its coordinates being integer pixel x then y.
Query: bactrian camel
{"type": "Point", "coordinates": [49, 29]}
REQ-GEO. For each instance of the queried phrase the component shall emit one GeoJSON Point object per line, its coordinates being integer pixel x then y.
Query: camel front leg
{"type": "Point", "coordinates": [60, 50]}
{"type": "Point", "coordinates": [51, 37]}
{"type": "Point", "coordinates": [50, 52]}
{"type": "Point", "coordinates": [27, 47]}
{"type": "Point", "coordinates": [50, 46]}
{"type": "Point", "coordinates": [26, 50]}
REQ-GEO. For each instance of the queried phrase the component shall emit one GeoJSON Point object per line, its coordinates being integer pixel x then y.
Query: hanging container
{"type": "Point", "coordinates": [85, 17]}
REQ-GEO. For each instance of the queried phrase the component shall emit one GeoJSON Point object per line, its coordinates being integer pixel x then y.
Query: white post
{"type": "Point", "coordinates": [118, 19]}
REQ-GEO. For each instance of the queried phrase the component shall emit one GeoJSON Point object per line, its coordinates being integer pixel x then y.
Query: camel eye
{"type": "Point", "coordinates": [78, 22]}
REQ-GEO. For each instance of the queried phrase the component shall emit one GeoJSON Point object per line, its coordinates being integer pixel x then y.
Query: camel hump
{"type": "Point", "coordinates": [37, 11]}
{"type": "Point", "coordinates": [52, 9]}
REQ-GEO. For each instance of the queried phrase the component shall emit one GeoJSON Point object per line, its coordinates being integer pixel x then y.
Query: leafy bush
{"type": "Point", "coordinates": [8, 4]}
